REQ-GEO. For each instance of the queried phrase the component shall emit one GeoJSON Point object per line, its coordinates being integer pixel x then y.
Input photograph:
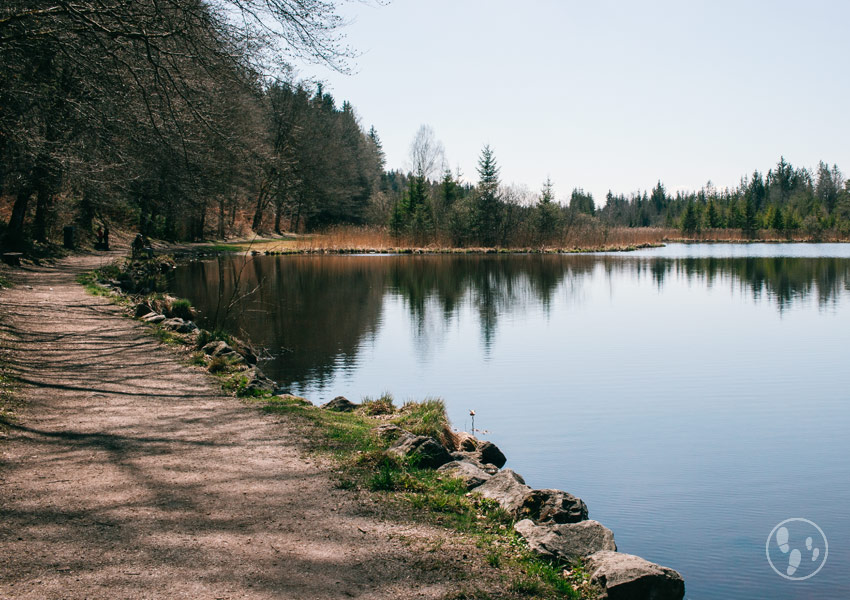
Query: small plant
{"type": "Point", "coordinates": [182, 309]}
{"type": "Point", "coordinates": [166, 337]}
{"type": "Point", "coordinates": [388, 478]}
{"type": "Point", "coordinates": [494, 559]}
{"type": "Point", "coordinates": [526, 586]}
{"type": "Point", "coordinates": [205, 337]}
{"type": "Point", "coordinates": [218, 364]}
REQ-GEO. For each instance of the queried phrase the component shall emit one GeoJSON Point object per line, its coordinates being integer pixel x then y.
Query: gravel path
{"type": "Point", "coordinates": [129, 475]}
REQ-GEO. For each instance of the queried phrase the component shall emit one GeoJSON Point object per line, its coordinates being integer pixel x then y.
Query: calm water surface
{"type": "Point", "coordinates": [694, 396]}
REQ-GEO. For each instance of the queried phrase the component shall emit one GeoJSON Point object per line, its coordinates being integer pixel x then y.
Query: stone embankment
{"type": "Point", "coordinates": [554, 523]}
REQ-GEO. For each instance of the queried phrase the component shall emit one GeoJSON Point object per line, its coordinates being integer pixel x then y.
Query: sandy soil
{"type": "Point", "coordinates": [130, 475]}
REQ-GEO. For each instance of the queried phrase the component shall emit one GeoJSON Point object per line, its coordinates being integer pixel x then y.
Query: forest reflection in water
{"type": "Point", "coordinates": [312, 313]}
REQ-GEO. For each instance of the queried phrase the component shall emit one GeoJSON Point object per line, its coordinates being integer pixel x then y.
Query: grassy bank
{"type": "Point", "coordinates": [350, 441]}
{"type": "Point", "coordinates": [349, 239]}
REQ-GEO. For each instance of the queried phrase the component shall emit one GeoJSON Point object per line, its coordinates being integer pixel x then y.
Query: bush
{"type": "Point", "coordinates": [427, 418]}
{"type": "Point", "coordinates": [380, 406]}
{"type": "Point", "coordinates": [182, 309]}
{"type": "Point", "coordinates": [205, 337]}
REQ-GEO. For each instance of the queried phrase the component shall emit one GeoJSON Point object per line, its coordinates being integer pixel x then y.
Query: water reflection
{"type": "Point", "coordinates": [313, 313]}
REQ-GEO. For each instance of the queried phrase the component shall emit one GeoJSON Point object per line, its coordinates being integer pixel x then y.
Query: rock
{"type": "Point", "coordinates": [173, 323]}
{"type": "Point", "coordinates": [218, 348]}
{"type": "Point", "coordinates": [426, 452]}
{"type": "Point", "coordinates": [340, 404]}
{"type": "Point", "coordinates": [258, 382]}
{"type": "Point", "coordinates": [568, 541]}
{"type": "Point", "coordinates": [388, 432]}
{"type": "Point", "coordinates": [629, 577]}
{"type": "Point", "coordinates": [295, 399]}
{"type": "Point", "coordinates": [153, 318]}
{"type": "Point", "coordinates": [472, 458]}
{"type": "Point", "coordinates": [245, 350]}
{"type": "Point", "coordinates": [507, 488]}
{"type": "Point", "coordinates": [553, 506]}
{"type": "Point", "coordinates": [142, 309]}
{"type": "Point", "coordinates": [482, 452]}
{"type": "Point", "coordinates": [471, 475]}
{"type": "Point", "coordinates": [466, 442]}
{"type": "Point", "coordinates": [489, 453]}
{"type": "Point", "coordinates": [187, 327]}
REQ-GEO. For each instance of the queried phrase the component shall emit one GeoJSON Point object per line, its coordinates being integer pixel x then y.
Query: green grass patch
{"type": "Point", "coordinates": [221, 247]}
{"type": "Point", "coordinates": [167, 337]}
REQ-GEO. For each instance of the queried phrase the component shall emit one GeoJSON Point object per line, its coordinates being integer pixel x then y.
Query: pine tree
{"type": "Point", "coordinates": [690, 219]}
{"type": "Point", "coordinates": [487, 205]}
{"type": "Point", "coordinates": [546, 214]}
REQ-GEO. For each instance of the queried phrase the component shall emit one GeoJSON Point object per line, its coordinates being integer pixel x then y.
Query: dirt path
{"type": "Point", "coordinates": [129, 475]}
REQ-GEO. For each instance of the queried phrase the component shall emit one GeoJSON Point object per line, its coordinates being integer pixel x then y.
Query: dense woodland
{"type": "Point", "coordinates": [183, 119]}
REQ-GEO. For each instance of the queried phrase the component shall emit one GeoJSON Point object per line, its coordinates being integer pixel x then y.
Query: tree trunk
{"type": "Point", "coordinates": [262, 200]}
{"type": "Point", "coordinates": [221, 215]}
{"type": "Point", "coordinates": [15, 232]}
{"type": "Point", "coordinates": [42, 208]}
{"type": "Point", "coordinates": [86, 211]}
{"type": "Point", "coordinates": [277, 210]}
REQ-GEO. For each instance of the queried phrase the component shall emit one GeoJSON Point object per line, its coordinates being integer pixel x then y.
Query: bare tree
{"type": "Point", "coordinates": [427, 154]}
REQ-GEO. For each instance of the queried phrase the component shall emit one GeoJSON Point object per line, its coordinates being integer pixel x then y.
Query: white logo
{"type": "Point", "coordinates": [797, 549]}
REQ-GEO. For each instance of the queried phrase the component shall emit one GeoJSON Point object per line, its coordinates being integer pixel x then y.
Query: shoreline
{"type": "Point", "coordinates": [535, 516]}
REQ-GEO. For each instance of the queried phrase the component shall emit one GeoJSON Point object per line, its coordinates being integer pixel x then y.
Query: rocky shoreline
{"type": "Point", "coordinates": [554, 523]}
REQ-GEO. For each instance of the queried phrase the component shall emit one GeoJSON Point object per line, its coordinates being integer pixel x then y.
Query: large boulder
{"type": "Point", "coordinates": [569, 541]}
{"type": "Point", "coordinates": [472, 458]}
{"type": "Point", "coordinates": [471, 475]}
{"type": "Point", "coordinates": [425, 452]}
{"type": "Point", "coordinates": [553, 506]}
{"type": "Point", "coordinates": [340, 404]}
{"type": "Point", "coordinates": [478, 451]}
{"type": "Point", "coordinates": [489, 453]}
{"type": "Point", "coordinates": [629, 577]}
{"type": "Point", "coordinates": [153, 317]}
{"type": "Point", "coordinates": [507, 488]}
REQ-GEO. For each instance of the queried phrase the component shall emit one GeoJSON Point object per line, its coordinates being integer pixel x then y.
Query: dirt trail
{"type": "Point", "coordinates": [129, 475]}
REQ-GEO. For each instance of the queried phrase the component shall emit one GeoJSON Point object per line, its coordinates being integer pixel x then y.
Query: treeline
{"type": "Point", "coordinates": [177, 117]}
{"type": "Point", "coordinates": [787, 201]}
{"type": "Point", "coordinates": [183, 119]}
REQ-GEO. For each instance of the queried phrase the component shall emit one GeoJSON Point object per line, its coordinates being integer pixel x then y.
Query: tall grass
{"type": "Point", "coordinates": [589, 235]}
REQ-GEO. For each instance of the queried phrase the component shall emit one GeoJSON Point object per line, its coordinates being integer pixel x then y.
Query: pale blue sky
{"type": "Point", "coordinates": [606, 94]}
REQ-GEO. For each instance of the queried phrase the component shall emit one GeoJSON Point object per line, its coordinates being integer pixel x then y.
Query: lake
{"type": "Point", "coordinates": [694, 396]}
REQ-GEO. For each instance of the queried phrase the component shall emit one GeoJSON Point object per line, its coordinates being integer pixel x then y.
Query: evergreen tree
{"type": "Point", "coordinates": [690, 219]}
{"type": "Point", "coordinates": [546, 214]}
{"type": "Point", "coordinates": [713, 216]}
{"type": "Point", "coordinates": [487, 204]}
